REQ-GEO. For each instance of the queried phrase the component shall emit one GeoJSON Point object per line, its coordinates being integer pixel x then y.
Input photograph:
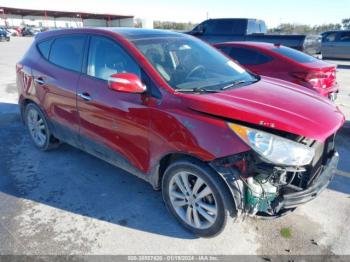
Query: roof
{"type": "Point", "coordinates": [334, 31]}
{"type": "Point", "coordinates": [127, 32]}
{"type": "Point", "coordinates": [141, 33]}
{"type": "Point", "coordinates": [57, 14]}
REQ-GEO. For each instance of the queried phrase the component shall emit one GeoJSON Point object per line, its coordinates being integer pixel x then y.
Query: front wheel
{"type": "Point", "coordinates": [197, 197]}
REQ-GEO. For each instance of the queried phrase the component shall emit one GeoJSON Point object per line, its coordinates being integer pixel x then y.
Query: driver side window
{"type": "Point", "coordinates": [106, 58]}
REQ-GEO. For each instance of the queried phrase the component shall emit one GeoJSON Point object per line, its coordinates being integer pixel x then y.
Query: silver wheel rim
{"type": "Point", "coordinates": [36, 126]}
{"type": "Point", "coordinates": [193, 200]}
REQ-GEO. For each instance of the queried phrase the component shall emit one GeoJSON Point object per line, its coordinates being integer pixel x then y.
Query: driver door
{"type": "Point", "coordinates": [113, 125]}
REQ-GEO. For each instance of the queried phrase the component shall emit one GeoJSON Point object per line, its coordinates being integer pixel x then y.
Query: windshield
{"type": "Point", "coordinates": [185, 63]}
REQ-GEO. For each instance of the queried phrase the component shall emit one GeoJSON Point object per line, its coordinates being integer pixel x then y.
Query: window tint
{"type": "Point", "coordinates": [44, 48]}
{"type": "Point", "coordinates": [225, 27]}
{"type": "Point", "coordinates": [247, 56]}
{"type": "Point", "coordinates": [294, 54]}
{"type": "Point", "coordinates": [68, 52]}
{"type": "Point", "coordinates": [256, 26]}
{"type": "Point", "coordinates": [330, 37]}
{"type": "Point", "coordinates": [345, 37]}
{"type": "Point", "coordinates": [107, 58]}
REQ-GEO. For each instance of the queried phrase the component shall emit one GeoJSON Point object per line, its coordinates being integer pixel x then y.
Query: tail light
{"type": "Point", "coordinates": [318, 79]}
{"type": "Point", "coordinates": [19, 67]}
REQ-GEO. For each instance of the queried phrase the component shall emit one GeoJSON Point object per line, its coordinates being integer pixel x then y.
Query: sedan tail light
{"type": "Point", "coordinates": [318, 79]}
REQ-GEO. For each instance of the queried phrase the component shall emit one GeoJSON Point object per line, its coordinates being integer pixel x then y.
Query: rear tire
{"type": "Point", "coordinates": [197, 197]}
{"type": "Point", "coordinates": [38, 128]}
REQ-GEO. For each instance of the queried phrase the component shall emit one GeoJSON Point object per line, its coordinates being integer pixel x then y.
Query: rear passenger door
{"type": "Point", "coordinates": [343, 45]}
{"type": "Point", "coordinates": [57, 80]}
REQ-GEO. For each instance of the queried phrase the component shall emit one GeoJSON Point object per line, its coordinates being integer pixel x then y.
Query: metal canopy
{"type": "Point", "coordinates": [57, 14]}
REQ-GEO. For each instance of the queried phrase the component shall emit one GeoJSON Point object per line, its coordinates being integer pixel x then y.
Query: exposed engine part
{"type": "Point", "coordinates": [259, 194]}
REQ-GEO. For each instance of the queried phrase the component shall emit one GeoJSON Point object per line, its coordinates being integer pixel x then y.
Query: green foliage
{"type": "Point", "coordinates": [286, 232]}
{"type": "Point", "coordinates": [288, 28]}
{"type": "Point", "coordinates": [346, 23]}
{"type": "Point", "coordinates": [173, 25]}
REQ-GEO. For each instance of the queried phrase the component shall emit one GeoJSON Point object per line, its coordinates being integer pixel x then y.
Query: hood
{"type": "Point", "coordinates": [275, 104]}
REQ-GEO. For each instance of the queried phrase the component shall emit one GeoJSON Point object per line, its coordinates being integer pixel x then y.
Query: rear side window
{"type": "Point", "coordinates": [44, 48]}
{"type": "Point", "coordinates": [246, 56]}
{"type": "Point", "coordinates": [294, 54]}
{"type": "Point", "coordinates": [226, 27]}
{"type": "Point", "coordinates": [68, 52]}
{"type": "Point", "coordinates": [344, 37]}
{"type": "Point", "coordinates": [329, 37]}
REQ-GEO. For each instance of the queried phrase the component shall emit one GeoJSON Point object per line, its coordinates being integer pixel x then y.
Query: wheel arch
{"type": "Point", "coordinates": [170, 158]}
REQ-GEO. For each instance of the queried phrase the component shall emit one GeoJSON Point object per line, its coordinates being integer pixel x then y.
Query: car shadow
{"type": "Point", "coordinates": [76, 182]}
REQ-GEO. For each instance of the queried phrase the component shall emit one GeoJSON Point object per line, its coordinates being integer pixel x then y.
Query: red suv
{"type": "Point", "coordinates": [285, 63]}
{"type": "Point", "coordinates": [216, 139]}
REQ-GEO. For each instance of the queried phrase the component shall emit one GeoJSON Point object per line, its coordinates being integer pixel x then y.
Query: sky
{"type": "Point", "coordinates": [273, 12]}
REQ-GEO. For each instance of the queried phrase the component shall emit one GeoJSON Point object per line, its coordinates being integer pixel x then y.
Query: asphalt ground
{"type": "Point", "coordinates": [68, 202]}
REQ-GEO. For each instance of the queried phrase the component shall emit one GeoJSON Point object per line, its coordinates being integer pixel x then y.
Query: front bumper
{"type": "Point", "coordinates": [292, 200]}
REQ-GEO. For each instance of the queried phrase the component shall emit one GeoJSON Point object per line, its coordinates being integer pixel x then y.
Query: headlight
{"type": "Point", "coordinates": [274, 148]}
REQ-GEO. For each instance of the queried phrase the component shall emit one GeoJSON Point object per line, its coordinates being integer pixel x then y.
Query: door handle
{"type": "Point", "coordinates": [85, 96]}
{"type": "Point", "coordinates": [39, 81]}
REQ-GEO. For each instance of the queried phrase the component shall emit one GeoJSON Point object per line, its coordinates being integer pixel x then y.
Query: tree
{"type": "Point", "coordinates": [346, 23]}
{"type": "Point", "coordinates": [288, 28]}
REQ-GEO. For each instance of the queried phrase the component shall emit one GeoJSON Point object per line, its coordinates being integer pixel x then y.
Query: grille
{"type": "Point", "coordinates": [323, 153]}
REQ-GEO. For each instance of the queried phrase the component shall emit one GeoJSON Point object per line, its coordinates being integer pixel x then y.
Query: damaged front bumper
{"type": "Point", "coordinates": [287, 198]}
{"type": "Point", "coordinates": [293, 200]}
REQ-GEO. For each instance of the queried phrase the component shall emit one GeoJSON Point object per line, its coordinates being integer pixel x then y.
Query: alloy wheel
{"type": "Point", "coordinates": [193, 200]}
{"type": "Point", "coordinates": [36, 126]}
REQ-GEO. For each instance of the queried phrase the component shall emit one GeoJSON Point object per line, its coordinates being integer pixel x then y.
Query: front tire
{"type": "Point", "coordinates": [197, 197]}
{"type": "Point", "coordinates": [38, 128]}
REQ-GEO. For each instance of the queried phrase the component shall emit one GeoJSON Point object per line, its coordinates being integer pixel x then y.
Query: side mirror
{"type": "Point", "coordinates": [126, 82]}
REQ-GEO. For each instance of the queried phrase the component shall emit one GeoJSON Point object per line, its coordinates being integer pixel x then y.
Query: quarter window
{"type": "Point", "coordinates": [345, 37]}
{"type": "Point", "coordinates": [107, 58]}
{"type": "Point", "coordinates": [68, 52]}
{"type": "Point", "coordinates": [44, 48]}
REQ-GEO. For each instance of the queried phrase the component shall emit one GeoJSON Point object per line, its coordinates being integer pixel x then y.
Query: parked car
{"type": "Point", "coordinates": [312, 44]}
{"type": "Point", "coordinates": [243, 29]}
{"type": "Point", "coordinates": [173, 110]}
{"type": "Point", "coordinates": [336, 44]}
{"type": "Point", "coordinates": [10, 31]}
{"type": "Point", "coordinates": [4, 35]}
{"type": "Point", "coordinates": [285, 63]}
{"type": "Point", "coordinates": [30, 31]}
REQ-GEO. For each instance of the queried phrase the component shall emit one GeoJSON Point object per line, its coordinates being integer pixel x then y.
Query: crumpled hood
{"type": "Point", "coordinates": [273, 103]}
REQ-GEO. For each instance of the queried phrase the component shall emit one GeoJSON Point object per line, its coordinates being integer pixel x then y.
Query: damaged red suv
{"type": "Point", "coordinates": [217, 140]}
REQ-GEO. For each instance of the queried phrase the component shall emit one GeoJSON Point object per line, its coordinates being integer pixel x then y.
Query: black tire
{"type": "Point", "coordinates": [223, 198]}
{"type": "Point", "coordinates": [50, 142]}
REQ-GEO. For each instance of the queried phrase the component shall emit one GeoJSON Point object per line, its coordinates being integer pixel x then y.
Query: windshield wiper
{"type": "Point", "coordinates": [195, 90]}
{"type": "Point", "coordinates": [236, 83]}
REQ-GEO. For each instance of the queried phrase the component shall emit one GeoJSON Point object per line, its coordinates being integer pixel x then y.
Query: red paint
{"type": "Point", "coordinates": [318, 75]}
{"type": "Point", "coordinates": [144, 129]}
{"type": "Point", "coordinates": [126, 82]}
